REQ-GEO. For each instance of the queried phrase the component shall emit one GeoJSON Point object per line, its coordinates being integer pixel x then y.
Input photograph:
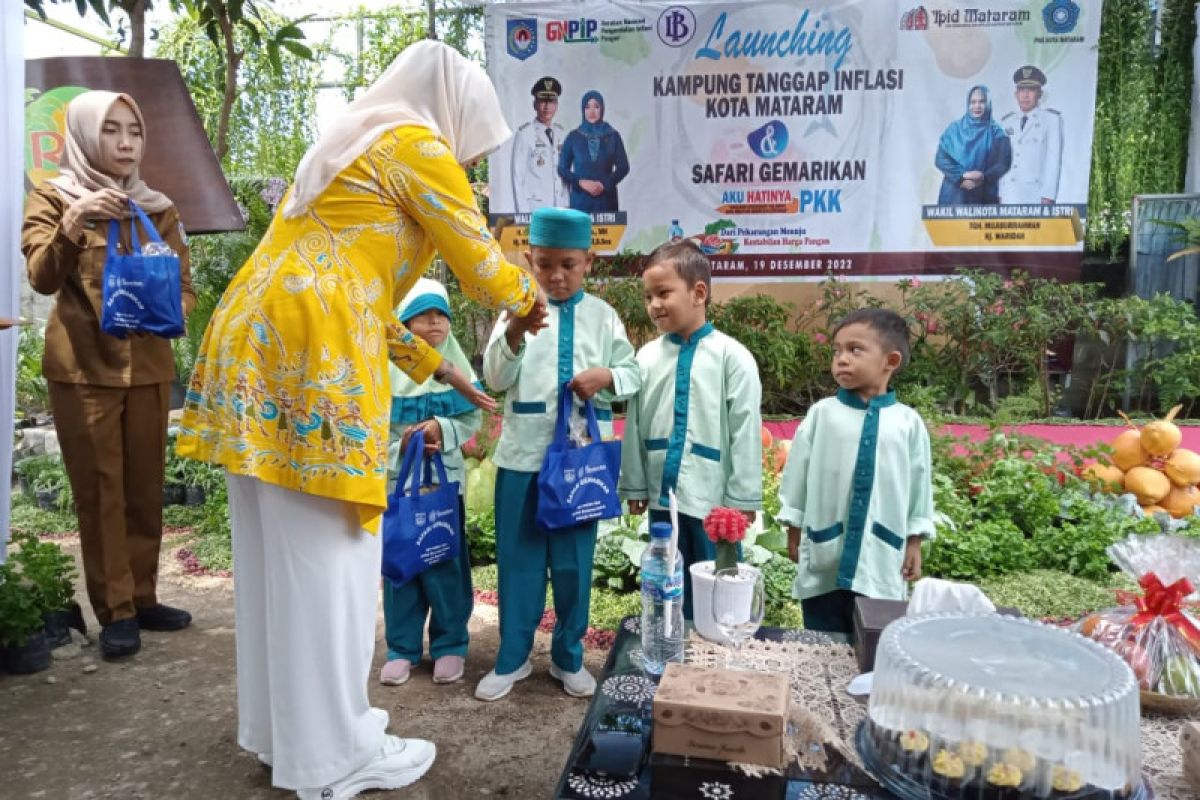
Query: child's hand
{"type": "Point", "coordinates": [433, 436]}
{"type": "Point", "coordinates": [793, 534]}
{"type": "Point", "coordinates": [911, 569]}
{"type": "Point", "coordinates": [638, 507]}
{"type": "Point", "coordinates": [586, 384]}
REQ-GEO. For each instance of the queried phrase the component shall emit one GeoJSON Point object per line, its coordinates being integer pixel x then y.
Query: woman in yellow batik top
{"type": "Point", "coordinates": [291, 395]}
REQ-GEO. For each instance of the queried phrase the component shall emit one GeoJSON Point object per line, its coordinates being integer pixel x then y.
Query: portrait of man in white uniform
{"type": "Point", "coordinates": [535, 149]}
{"type": "Point", "coordinates": [1036, 133]}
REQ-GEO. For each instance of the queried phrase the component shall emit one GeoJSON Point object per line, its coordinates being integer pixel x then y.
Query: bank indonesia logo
{"type": "Point", "coordinates": [770, 140]}
{"type": "Point", "coordinates": [676, 26]}
{"type": "Point", "coordinates": [1060, 16]}
{"type": "Point", "coordinates": [522, 38]}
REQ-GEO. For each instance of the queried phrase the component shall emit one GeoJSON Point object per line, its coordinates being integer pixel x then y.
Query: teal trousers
{"type": "Point", "coordinates": [526, 557]}
{"type": "Point", "coordinates": [443, 594]}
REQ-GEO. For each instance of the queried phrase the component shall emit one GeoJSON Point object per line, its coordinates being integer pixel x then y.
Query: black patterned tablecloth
{"type": "Point", "coordinates": [611, 758]}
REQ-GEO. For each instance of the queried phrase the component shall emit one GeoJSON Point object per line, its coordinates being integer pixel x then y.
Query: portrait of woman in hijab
{"type": "Point", "coordinates": [593, 159]}
{"type": "Point", "coordinates": [973, 153]}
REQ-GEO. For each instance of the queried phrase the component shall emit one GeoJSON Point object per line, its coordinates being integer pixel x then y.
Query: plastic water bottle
{"type": "Point", "coordinates": [675, 232]}
{"type": "Point", "coordinates": [662, 603]}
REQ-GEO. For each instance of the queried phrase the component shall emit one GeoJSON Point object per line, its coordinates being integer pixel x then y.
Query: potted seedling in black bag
{"type": "Point", "coordinates": [51, 573]}
{"type": "Point", "coordinates": [22, 634]}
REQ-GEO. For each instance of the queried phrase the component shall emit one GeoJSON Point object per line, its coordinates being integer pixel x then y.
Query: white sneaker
{"type": "Point", "coordinates": [494, 686]}
{"type": "Point", "coordinates": [268, 759]}
{"type": "Point", "coordinates": [577, 684]}
{"type": "Point", "coordinates": [399, 763]}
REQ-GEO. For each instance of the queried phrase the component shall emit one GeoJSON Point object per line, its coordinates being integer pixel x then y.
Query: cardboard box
{"type": "Point", "coordinates": [872, 616]}
{"type": "Point", "coordinates": [721, 714]}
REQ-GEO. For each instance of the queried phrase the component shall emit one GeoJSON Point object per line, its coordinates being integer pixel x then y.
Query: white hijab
{"type": "Point", "coordinates": [78, 173]}
{"type": "Point", "coordinates": [429, 84]}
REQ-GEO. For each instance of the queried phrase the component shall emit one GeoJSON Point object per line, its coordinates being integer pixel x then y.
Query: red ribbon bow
{"type": "Point", "coordinates": [1162, 601]}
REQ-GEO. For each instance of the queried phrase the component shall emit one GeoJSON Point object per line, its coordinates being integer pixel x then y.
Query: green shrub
{"type": "Point", "coordinates": [49, 570]}
{"type": "Point", "coordinates": [481, 536]}
{"type": "Point", "coordinates": [20, 611]}
{"type": "Point", "coordinates": [1049, 593]}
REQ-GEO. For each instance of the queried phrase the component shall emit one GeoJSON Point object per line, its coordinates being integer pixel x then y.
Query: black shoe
{"type": "Point", "coordinates": [163, 618]}
{"type": "Point", "coordinates": [120, 638]}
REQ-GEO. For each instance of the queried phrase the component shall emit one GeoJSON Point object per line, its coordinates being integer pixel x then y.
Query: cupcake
{"type": "Point", "coordinates": [1003, 781]}
{"type": "Point", "coordinates": [973, 755]}
{"type": "Point", "coordinates": [1021, 759]}
{"type": "Point", "coordinates": [914, 751]}
{"type": "Point", "coordinates": [948, 773]}
{"type": "Point", "coordinates": [1064, 782]}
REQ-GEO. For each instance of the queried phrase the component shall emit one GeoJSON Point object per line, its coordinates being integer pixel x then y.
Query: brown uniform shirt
{"type": "Point", "coordinates": [77, 351]}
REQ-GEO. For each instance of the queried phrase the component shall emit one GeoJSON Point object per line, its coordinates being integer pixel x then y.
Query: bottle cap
{"type": "Point", "coordinates": [660, 530]}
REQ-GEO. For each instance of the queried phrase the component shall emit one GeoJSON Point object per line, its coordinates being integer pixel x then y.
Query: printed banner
{"type": "Point", "coordinates": [794, 139]}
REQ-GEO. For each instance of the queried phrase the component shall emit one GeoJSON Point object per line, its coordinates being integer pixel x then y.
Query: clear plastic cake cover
{"type": "Point", "coordinates": [1011, 685]}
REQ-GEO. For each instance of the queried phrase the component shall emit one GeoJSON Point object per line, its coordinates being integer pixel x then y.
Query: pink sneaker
{"type": "Point", "coordinates": [448, 669]}
{"type": "Point", "coordinates": [395, 672]}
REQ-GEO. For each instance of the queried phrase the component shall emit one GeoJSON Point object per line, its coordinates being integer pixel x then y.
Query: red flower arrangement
{"type": "Point", "coordinates": [726, 527]}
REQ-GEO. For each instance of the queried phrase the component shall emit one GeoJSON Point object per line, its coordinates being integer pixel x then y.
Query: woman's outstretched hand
{"type": "Point", "coordinates": [450, 375]}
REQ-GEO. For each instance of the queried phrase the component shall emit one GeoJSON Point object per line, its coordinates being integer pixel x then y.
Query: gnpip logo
{"type": "Point", "coordinates": [420, 517]}
{"type": "Point", "coordinates": [571, 30]}
{"type": "Point", "coordinates": [676, 26]}
{"type": "Point", "coordinates": [569, 475]}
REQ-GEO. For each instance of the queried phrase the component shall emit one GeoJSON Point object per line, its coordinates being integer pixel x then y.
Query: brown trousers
{"type": "Point", "coordinates": [113, 442]}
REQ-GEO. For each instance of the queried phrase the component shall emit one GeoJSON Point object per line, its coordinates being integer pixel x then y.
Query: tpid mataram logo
{"type": "Point", "coordinates": [915, 20]}
{"type": "Point", "coordinates": [45, 129]}
{"type": "Point", "coordinates": [522, 37]}
{"type": "Point", "coordinates": [676, 26]}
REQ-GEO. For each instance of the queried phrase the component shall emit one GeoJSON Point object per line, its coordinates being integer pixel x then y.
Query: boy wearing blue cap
{"type": "Point", "coordinates": [695, 425]}
{"type": "Point", "coordinates": [443, 592]}
{"type": "Point", "coordinates": [584, 346]}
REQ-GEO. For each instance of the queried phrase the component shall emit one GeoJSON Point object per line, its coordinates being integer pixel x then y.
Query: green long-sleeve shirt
{"type": "Point", "coordinates": [858, 483]}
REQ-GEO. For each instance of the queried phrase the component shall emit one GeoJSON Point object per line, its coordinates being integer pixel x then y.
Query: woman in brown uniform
{"type": "Point", "coordinates": [109, 396]}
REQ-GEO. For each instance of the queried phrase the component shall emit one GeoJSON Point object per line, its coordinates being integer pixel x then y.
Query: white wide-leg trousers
{"type": "Point", "coordinates": [306, 585]}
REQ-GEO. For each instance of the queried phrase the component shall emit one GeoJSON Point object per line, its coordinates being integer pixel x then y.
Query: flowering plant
{"type": "Point", "coordinates": [726, 527]}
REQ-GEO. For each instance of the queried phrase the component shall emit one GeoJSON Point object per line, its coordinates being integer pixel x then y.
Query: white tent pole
{"type": "Point", "coordinates": [12, 126]}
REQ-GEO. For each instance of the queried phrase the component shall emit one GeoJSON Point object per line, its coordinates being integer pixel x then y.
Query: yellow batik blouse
{"type": "Point", "coordinates": [291, 384]}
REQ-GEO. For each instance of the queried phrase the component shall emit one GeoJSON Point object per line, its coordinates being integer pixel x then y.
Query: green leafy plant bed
{"type": "Point", "coordinates": [1050, 594]}
{"type": "Point", "coordinates": [28, 518]}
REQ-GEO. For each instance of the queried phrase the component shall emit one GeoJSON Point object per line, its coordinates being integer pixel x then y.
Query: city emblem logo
{"type": "Point", "coordinates": [569, 475]}
{"type": "Point", "coordinates": [522, 38]}
{"type": "Point", "coordinates": [1060, 16]}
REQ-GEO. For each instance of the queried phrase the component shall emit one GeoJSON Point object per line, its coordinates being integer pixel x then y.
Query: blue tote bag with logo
{"type": "Point", "coordinates": [578, 483]}
{"type": "Point", "coordinates": [421, 524]}
{"type": "Point", "coordinates": [142, 290]}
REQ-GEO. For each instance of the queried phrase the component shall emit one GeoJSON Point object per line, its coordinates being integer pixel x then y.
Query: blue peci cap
{"type": "Point", "coordinates": [660, 530]}
{"type": "Point", "coordinates": [560, 227]}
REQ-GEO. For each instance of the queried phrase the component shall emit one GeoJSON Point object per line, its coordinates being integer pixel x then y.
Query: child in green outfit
{"type": "Point", "coordinates": [856, 493]}
{"type": "Point", "coordinates": [442, 592]}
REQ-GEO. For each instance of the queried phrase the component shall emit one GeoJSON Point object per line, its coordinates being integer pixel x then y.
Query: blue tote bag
{"type": "Point", "coordinates": [578, 484]}
{"type": "Point", "coordinates": [142, 293]}
{"type": "Point", "coordinates": [420, 529]}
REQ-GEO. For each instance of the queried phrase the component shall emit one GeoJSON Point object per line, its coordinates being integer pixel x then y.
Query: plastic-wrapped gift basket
{"type": "Point", "coordinates": [1155, 630]}
{"type": "Point", "coordinates": [987, 707]}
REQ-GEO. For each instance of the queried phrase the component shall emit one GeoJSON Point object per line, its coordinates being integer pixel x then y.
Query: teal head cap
{"type": "Point", "coordinates": [560, 227]}
{"type": "Point", "coordinates": [425, 294]}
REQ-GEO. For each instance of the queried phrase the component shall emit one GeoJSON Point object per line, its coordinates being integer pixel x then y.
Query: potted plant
{"type": "Point", "coordinates": [726, 528]}
{"type": "Point", "coordinates": [51, 573]}
{"type": "Point", "coordinates": [174, 480]}
{"type": "Point", "coordinates": [200, 481]}
{"type": "Point", "coordinates": [48, 487]}
{"type": "Point", "coordinates": [30, 469]}
{"type": "Point", "coordinates": [22, 637]}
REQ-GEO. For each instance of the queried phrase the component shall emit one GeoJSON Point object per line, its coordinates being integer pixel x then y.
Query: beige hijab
{"type": "Point", "coordinates": [78, 173]}
{"type": "Point", "coordinates": [429, 84]}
